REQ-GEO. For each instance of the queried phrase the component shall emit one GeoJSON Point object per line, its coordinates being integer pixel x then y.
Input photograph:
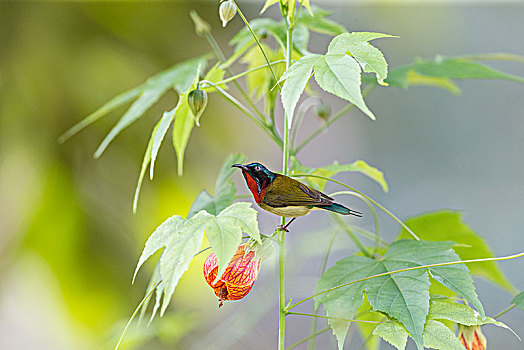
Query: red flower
{"type": "Point", "coordinates": [237, 280]}
{"type": "Point", "coordinates": [472, 338]}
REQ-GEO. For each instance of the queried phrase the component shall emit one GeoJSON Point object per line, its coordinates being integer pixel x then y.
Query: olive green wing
{"type": "Point", "coordinates": [285, 191]}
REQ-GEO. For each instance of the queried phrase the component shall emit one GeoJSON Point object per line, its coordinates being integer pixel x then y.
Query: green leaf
{"type": "Point", "coordinates": [179, 76]}
{"type": "Point", "coordinates": [224, 231]}
{"type": "Point", "coordinates": [393, 332]}
{"type": "Point", "coordinates": [214, 75]}
{"type": "Point", "coordinates": [102, 111]}
{"type": "Point", "coordinates": [448, 225]}
{"type": "Point", "coordinates": [296, 78]}
{"type": "Point", "coordinates": [357, 45]}
{"type": "Point", "coordinates": [184, 123]}
{"type": "Point", "coordinates": [259, 82]}
{"type": "Point", "coordinates": [335, 168]}
{"type": "Point", "coordinates": [224, 189]}
{"type": "Point", "coordinates": [145, 163]}
{"type": "Point", "coordinates": [159, 134]}
{"type": "Point", "coordinates": [519, 300]}
{"type": "Point", "coordinates": [443, 69]}
{"type": "Point", "coordinates": [365, 312]}
{"type": "Point", "coordinates": [403, 296]}
{"type": "Point", "coordinates": [288, 3]}
{"type": "Point", "coordinates": [181, 246]}
{"type": "Point", "coordinates": [339, 74]}
{"type": "Point", "coordinates": [319, 23]}
{"type": "Point", "coordinates": [158, 239]}
{"type": "Point", "coordinates": [439, 337]}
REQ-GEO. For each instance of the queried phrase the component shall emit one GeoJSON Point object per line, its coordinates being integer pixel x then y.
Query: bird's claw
{"type": "Point", "coordinates": [283, 228]}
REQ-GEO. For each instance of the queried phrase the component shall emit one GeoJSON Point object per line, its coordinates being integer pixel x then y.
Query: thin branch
{"type": "Point", "coordinates": [312, 336]}
{"type": "Point", "coordinates": [509, 257]}
{"type": "Point", "coordinates": [332, 318]}
{"type": "Point", "coordinates": [509, 308]}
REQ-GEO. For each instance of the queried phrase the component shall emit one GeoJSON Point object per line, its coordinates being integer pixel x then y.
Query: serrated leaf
{"type": "Point", "coordinates": [439, 337]}
{"type": "Point", "coordinates": [519, 301]}
{"type": "Point", "coordinates": [448, 225]}
{"type": "Point", "coordinates": [159, 134]}
{"type": "Point", "coordinates": [224, 231]}
{"type": "Point", "coordinates": [335, 168]}
{"type": "Point", "coordinates": [319, 23]}
{"type": "Point", "coordinates": [296, 78]}
{"type": "Point", "coordinates": [114, 103]}
{"type": "Point", "coordinates": [357, 45]}
{"type": "Point", "coordinates": [393, 332]}
{"type": "Point", "coordinates": [448, 68]}
{"type": "Point", "coordinates": [159, 238]}
{"type": "Point", "coordinates": [184, 123]}
{"type": "Point", "coordinates": [184, 242]}
{"type": "Point", "coordinates": [403, 296]}
{"type": "Point", "coordinates": [179, 76]}
{"type": "Point", "coordinates": [365, 312]}
{"type": "Point", "coordinates": [145, 162]}
{"type": "Point", "coordinates": [339, 74]}
{"type": "Point", "coordinates": [224, 189]}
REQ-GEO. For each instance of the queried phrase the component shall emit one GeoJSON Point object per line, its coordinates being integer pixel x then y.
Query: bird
{"type": "Point", "coordinates": [281, 195]}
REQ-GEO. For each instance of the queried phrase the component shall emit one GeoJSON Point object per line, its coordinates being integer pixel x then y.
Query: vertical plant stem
{"type": "Point", "coordinates": [285, 170]}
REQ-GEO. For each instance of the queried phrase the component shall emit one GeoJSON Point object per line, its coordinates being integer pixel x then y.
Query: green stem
{"type": "Point", "coordinates": [220, 55]}
{"type": "Point", "coordinates": [148, 295]}
{"type": "Point", "coordinates": [332, 318]}
{"type": "Point", "coordinates": [323, 265]}
{"type": "Point", "coordinates": [336, 117]}
{"type": "Point", "coordinates": [368, 198]}
{"type": "Point", "coordinates": [312, 336]}
{"type": "Point", "coordinates": [509, 308]}
{"type": "Point", "coordinates": [373, 211]}
{"type": "Point", "coordinates": [258, 43]}
{"type": "Point", "coordinates": [246, 111]}
{"type": "Point", "coordinates": [352, 235]}
{"type": "Point", "coordinates": [509, 257]}
{"type": "Point", "coordinates": [234, 77]}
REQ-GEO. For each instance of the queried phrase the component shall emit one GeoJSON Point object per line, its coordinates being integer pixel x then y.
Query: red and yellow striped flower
{"type": "Point", "coordinates": [238, 278]}
{"type": "Point", "coordinates": [472, 338]}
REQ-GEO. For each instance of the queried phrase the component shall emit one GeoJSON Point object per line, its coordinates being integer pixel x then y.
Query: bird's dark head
{"type": "Point", "coordinates": [258, 178]}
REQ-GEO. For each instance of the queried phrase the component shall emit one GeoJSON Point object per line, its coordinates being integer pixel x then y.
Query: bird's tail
{"type": "Point", "coordinates": [340, 209]}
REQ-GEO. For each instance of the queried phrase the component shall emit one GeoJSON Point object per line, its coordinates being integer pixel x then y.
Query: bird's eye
{"type": "Point", "coordinates": [257, 168]}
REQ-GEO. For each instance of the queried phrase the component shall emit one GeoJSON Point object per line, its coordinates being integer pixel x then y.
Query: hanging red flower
{"type": "Point", "coordinates": [472, 338]}
{"type": "Point", "coordinates": [238, 278]}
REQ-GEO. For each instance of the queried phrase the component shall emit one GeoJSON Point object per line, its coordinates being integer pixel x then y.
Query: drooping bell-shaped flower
{"type": "Point", "coordinates": [472, 338]}
{"type": "Point", "coordinates": [238, 278]}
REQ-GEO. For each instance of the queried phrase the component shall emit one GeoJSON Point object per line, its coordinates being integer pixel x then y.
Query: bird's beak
{"type": "Point", "coordinates": [243, 167]}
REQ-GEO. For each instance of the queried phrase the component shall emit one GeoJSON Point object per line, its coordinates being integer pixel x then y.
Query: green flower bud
{"type": "Point", "coordinates": [197, 100]}
{"type": "Point", "coordinates": [201, 27]}
{"type": "Point", "coordinates": [227, 11]}
{"type": "Point", "coordinates": [323, 110]}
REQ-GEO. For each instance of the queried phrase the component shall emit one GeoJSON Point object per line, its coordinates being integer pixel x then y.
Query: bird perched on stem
{"type": "Point", "coordinates": [284, 196]}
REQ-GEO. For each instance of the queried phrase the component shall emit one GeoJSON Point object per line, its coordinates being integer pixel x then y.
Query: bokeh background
{"type": "Point", "coordinates": [69, 241]}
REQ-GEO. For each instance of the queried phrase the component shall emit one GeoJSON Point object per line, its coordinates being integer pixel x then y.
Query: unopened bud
{"type": "Point", "coordinates": [201, 26]}
{"type": "Point", "coordinates": [227, 11]}
{"type": "Point", "coordinates": [197, 100]}
{"type": "Point", "coordinates": [323, 110]}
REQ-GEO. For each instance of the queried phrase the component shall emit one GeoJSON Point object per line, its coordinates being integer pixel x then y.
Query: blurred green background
{"type": "Point", "coordinates": [69, 242]}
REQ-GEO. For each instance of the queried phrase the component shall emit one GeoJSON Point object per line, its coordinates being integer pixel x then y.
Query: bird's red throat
{"type": "Point", "coordinates": [252, 184]}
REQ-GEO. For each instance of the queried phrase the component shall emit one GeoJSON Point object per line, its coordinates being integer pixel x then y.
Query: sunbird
{"type": "Point", "coordinates": [284, 196]}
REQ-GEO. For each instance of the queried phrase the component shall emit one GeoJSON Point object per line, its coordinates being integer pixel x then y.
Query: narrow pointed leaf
{"type": "Point", "coordinates": [319, 23]}
{"type": "Point", "coordinates": [340, 75]}
{"type": "Point", "coordinates": [296, 78]}
{"type": "Point", "coordinates": [102, 111]}
{"type": "Point", "coordinates": [159, 134]}
{"type": "Point", "coordinates": [180, 76]}
{"type": "Point", "coordinates": [145, 163]}
{"type": "Point", "coordinates": [184, 123]}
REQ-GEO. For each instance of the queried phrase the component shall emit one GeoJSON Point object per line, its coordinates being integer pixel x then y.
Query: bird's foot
{"type": "Point", "coordinates": [283, 228]}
